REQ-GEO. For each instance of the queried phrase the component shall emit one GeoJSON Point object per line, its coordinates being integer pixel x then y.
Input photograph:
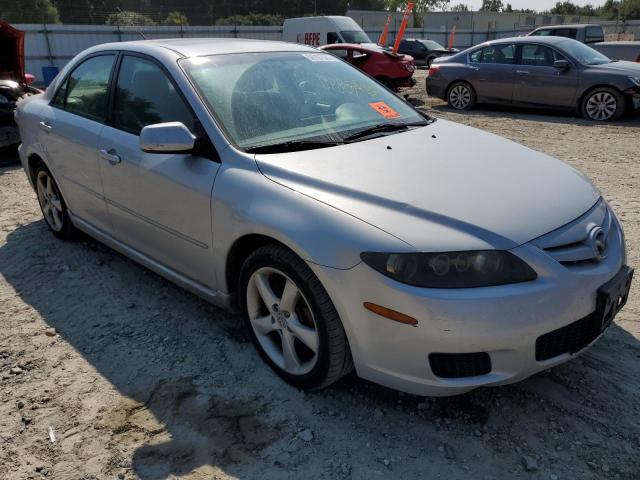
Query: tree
{"type": "Point", "coordinates": [508, 8]}
{"type": "Point", "coordinates": [419, 9]}
{"type": "Point", "coordinates": [128, 18]}
{"type": "Point", "coordinates": [252, 19]}
{"type": "Point", "coordinates": [492, 6]}
{"type": "Point", "coordinates": [176, 18]}
{"type": "Point", "coordinates": [29, 11]}
{"type": "Point", "coordinates": [461, 7]}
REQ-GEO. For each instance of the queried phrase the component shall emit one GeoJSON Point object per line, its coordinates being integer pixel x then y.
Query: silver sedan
{"type": "Point", "coordinates": [350, 229]}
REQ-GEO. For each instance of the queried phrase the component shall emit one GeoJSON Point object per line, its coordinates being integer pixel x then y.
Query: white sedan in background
{"type": "Point", "coordinates": [351, 229]}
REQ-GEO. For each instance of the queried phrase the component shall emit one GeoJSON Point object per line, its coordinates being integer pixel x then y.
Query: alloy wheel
{"type": "Point", "coordinates": [282, 321]}
{"type": "Point", "coordinates": [460, 97]}
{"type": "Point", "coordinates": [601, 106]}
{"type": "Point", "coordinates": [50, 201]}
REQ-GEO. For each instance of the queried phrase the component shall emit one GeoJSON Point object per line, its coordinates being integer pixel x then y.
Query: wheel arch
{"type": "Point", "coordinates": [590, 89]}
{"type": "Point", "coordinates": [240, 251]}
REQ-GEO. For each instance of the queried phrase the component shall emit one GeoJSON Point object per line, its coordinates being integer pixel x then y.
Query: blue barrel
{"type": "Point", "coordinates": [48, 74]}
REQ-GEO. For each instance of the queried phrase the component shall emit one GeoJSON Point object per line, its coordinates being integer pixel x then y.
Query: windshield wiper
{"type": "Point", "coordinates": [292, 146]}
{"type": "Point", "coordinates": [383, 128]}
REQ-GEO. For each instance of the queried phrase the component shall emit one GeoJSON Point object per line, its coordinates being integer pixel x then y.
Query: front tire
{"type": "Point", "coordinates": [603, 105]}
{"type": "Point", "coordinates": [53, 207]}
{"type": "Point", "coordinates": [461, 96]}
{"type": "Point", "coordinates": [291, 319]}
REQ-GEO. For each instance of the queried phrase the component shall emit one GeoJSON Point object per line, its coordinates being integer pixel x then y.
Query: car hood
{"type": "Point", "coordinates": [441, 187]}
{"type": "Point", "coordinates": [621, 66]}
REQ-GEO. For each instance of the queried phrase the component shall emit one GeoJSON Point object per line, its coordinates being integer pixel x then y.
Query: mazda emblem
{"type": "Point", "coordinates": [598, 242]}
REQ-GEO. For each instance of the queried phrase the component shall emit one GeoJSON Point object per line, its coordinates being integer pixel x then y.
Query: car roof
{"type": "Point", "coordinates": [542, 40]}
{"type": "Point", "coordinates": [570, 25]}
{"type": "Point", "coordinates": [195, 47]}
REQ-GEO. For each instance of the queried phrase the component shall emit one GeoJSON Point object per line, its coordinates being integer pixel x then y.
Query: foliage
{"type": "Point", "coordinates": [252, 19]}
{"type": "Point", "coordinates": [569, 8]}
{"type": "Point", "coordinates": [419, 9]}
{"type": "Point", "coordinates": [29, 11]}
{"type": "Point", "coordinates": [492, 6]}
{"type": "Point", "coordinates": [128, 18]}
{"type": "Point", "coordinates": [175, 18]}
{"type": "Point", "coordinates": [461, 7]}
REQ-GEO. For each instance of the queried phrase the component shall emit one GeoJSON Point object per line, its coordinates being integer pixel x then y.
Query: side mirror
{"type": "Point", "coordinates": [562, 65]}
{"type": "Point", "coordinates": [169, 137]}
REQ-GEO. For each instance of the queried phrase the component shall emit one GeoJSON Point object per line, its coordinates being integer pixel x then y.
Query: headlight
{"type": "Point", "coordinates": [482, 268]}
{"type": "Point", "coordinates": [635, 80]}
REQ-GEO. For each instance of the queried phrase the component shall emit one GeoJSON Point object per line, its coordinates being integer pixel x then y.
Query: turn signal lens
{"type": "Point", "coordinates": [391, 314]}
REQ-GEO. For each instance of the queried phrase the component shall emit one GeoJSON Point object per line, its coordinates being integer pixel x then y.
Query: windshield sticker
{"type": "Point", "coordinates": [385, 110]}
{"type": "Point", "coordinates": [320, 57]}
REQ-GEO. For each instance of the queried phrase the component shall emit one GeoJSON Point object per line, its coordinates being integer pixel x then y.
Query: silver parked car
{"type": "Point", "coordinates": [349, 228]}
{"type": "Point", "coordinates": [539, 72]}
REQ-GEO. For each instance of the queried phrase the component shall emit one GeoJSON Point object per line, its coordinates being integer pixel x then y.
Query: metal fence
{"type": "Point", "coordinates": [54, 45]}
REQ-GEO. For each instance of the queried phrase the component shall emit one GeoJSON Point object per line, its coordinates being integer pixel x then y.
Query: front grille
{"type": "Point", "coordinates": [569, 339]}
{"type": "Point", "coordinates": [460, 365]}
{"type": "Point", "coordinates": [570, 245]}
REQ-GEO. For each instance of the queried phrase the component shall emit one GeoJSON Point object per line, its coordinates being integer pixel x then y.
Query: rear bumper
{"type": "Point", "coordinates": [407, 82]}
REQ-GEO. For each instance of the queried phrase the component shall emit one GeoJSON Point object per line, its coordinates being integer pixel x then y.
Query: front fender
{"type": "Point", "coordinates": [245, 202]}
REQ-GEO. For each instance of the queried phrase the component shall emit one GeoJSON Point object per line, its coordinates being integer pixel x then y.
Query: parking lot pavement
{"type": "Point", "coordinates": [138, 378]}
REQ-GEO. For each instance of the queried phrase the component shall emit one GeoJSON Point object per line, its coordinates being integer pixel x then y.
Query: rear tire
{"type": "Point", "coordinates": [288, 315]}
{"type": "Point", "coordinates": [461, 96]}
{"type": "Point", "coordinates": [603, 104]}
{"type": "Point", "coordinates": [430, 61]}
{"type": "Point", "coordinates": [53, 207]}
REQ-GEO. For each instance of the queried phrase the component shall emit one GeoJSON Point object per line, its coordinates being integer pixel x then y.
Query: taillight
{"type": "Point", "coordinates": [638, 59]}
{"type": "Point", "coordinates": [434, 69]}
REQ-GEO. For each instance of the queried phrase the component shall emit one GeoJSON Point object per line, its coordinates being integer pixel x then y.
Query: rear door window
{"type": "Point", "coordinates": [86, 89]}
{"type": "Point", "coordinates": [594, 34]}
{"type": "Point", "coordinates": [566, 32]}
{"type": "Point", "coordinates": [496, 54]}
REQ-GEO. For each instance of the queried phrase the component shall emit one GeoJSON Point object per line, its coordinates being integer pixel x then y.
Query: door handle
{"type": "Point", "coordinates": [110, 156]}
{"type": "Point", "coordinates": [46, 126]}
{"type": "Point", "coordinates": [474, 68]}
{"type": "Point", "coordinates": [522, 72]}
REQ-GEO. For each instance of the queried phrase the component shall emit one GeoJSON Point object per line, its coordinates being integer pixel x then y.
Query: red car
{"type": "Point", "coordinates": [393, 71]}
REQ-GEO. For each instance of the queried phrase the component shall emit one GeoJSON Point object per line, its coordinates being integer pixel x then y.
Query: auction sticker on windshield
{"type": "Point", "coordinates": [320, 57]}
{"type": "Point", "coordinates": [385, 110]}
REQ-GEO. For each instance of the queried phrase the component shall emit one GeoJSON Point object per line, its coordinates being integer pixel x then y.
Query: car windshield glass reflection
{"type": "Point", "coordinates": [431, 45]}
{"type": "Point", "coordinates": [264, 99]}
{"type": "Point", "coordinates": [583, 53]}
{"type": "Point", "coordinates": [355, 36]}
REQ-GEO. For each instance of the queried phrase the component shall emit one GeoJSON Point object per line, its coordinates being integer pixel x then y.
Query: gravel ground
{"type": "Point", "coordinates": [135, 378]}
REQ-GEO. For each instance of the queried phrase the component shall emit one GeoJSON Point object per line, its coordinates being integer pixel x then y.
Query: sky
{"type": "Point", "coordinates": [534, 4]}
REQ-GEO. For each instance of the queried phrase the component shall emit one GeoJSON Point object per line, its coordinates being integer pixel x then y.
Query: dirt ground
{"type": "Point", "coordinates": [140, 379]}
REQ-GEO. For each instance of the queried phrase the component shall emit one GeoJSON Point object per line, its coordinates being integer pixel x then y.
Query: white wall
{"type": "Point", "coordinates": [57, 44]}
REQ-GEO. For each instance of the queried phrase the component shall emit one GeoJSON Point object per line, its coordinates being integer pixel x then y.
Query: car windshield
{"type": "Point", "coordinates": [355, 36]}
{"type": "Point", "coordinates": [431, 45]}
{"type": "Point", "coordinates": [583, 53]}
{"type": "Point", "coordinates": [263, 99]}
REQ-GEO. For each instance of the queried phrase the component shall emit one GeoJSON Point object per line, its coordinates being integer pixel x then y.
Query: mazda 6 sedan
{"type": "Point", "coordinates": [538, 72]}
{"type": "Point", "coordinates": [350, 229]}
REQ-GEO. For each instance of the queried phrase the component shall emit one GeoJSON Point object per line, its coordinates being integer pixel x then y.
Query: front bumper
{"type": "Point", "coordinates": [503, 321]}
